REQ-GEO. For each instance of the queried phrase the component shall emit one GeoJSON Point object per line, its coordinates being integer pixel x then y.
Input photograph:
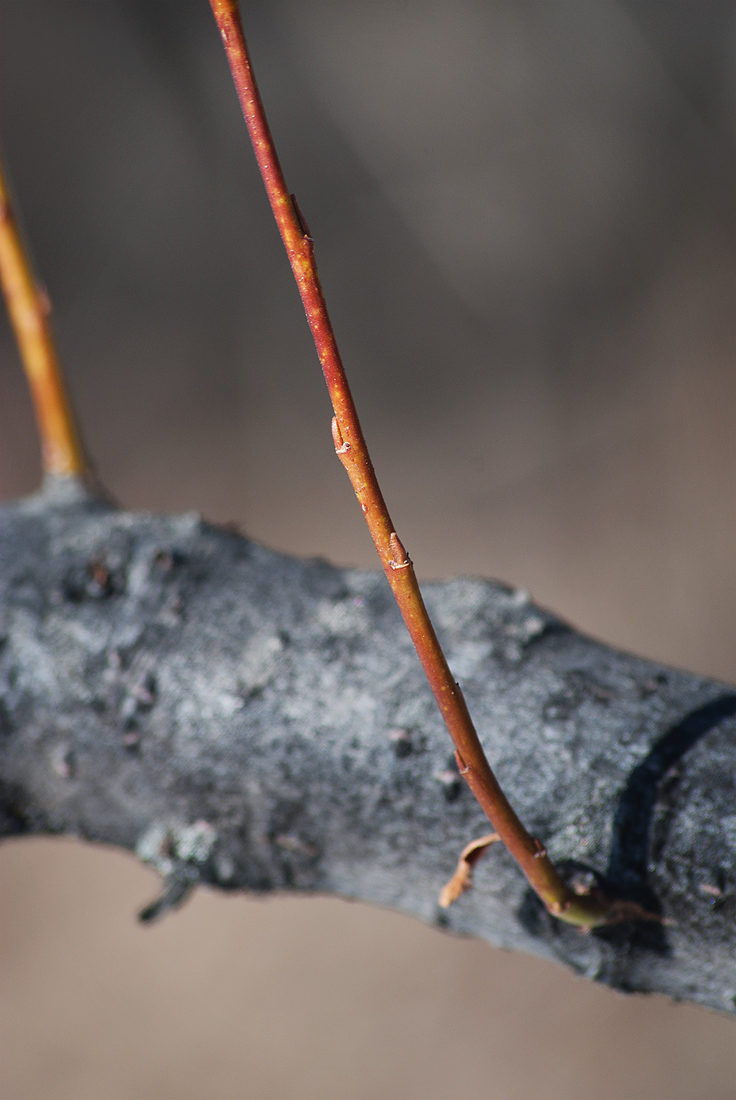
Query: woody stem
{"type": "Point", "coordinates": [351, 448]}
{"type": "Point", "coordinates": [29, 309]}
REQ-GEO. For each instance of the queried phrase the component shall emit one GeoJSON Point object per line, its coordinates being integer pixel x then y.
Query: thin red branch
{"type": "Point", "coordinates": [353, 453]}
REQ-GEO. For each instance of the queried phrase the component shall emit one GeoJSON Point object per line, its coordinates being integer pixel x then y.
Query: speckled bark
{"type": "Point", "coordinates": [253, 721]}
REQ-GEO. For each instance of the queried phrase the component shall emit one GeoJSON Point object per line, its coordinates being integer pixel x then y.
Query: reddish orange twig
{"type": "Point", "coordinates": [353, 453]}
{"type": "Point", "coordinates": [28, 307]}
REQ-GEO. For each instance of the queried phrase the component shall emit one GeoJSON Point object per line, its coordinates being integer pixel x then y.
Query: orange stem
{"type": "Point", "coordinates": [29, 309]}
{"type": "Point", "coordinates": [351, 448]}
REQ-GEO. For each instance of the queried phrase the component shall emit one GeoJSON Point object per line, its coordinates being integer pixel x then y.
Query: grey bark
{"type": "Point", "coordinates": [253, 721]}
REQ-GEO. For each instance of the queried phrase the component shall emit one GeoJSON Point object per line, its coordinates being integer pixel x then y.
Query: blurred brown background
{"type": "Point", "coordinates": [524, 214]}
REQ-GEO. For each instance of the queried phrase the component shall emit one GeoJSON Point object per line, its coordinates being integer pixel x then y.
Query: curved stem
{"type": "Point", "coordinates": [351, 448]}
{"type": "Point", "coordinates": [29, 309]}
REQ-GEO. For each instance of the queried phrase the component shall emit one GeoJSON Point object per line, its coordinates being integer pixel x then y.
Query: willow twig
{"type": "Point", "coordinates": [350, 445]}
{"type": "Point", "coordinates": [29, 309]}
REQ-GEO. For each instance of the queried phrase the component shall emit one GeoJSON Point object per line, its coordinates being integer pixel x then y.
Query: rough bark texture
{"type": "Point", "coordinates": [254, 721]}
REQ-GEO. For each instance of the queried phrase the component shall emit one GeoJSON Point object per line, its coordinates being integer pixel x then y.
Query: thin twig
{"type": "Point", "coordinates": [29, 309]}
{"type": "Point", "coordinates": [351, 449]}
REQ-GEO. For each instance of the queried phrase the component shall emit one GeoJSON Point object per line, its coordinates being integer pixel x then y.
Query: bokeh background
{"type": "Point", "coordinates": [525, 220]}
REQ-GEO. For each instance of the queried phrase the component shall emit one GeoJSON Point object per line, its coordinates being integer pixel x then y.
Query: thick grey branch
{"type": "Point", "coordinates": [256, 722]}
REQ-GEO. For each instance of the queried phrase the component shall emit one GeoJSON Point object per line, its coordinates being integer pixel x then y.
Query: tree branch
{"type": "Point", "coordinates": [252, 721]}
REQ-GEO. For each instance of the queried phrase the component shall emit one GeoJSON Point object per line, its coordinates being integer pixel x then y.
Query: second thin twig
{"type": "Point", "coordinates": [29, 309]}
